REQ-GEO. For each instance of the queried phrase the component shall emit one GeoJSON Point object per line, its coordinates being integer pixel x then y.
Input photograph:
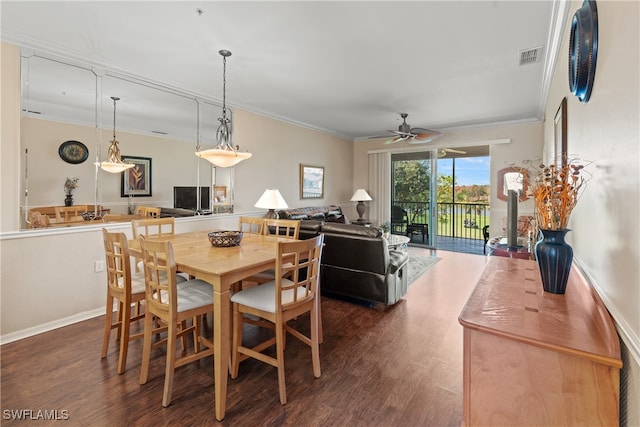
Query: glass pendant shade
{"type": "Point", "coordinates": [114, 163]}
{"type": "Point", "coordinates": [224, 154]}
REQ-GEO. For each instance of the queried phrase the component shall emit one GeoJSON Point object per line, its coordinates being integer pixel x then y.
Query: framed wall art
{"type": "Point", "coordinates": [136, 182]}
{"type": "Point", "coordinates": [560, 134]}
{"type": "Point", "coordinates": [311, 182]}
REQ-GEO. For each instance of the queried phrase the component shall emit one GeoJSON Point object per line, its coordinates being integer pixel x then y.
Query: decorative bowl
{"type": "Point", "coordinates": [91, 215]}
{"type": "Point", "coordinates": [224, 239]}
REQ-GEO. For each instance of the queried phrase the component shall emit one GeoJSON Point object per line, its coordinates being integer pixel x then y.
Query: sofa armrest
{"type": "Point", "coordinates": [396, 260]}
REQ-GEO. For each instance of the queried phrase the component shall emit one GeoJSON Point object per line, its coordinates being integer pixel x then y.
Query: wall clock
{"type": "Point", "coordinates": [583, 50]}
{"type": "Point", "coordinates": [73, 152]}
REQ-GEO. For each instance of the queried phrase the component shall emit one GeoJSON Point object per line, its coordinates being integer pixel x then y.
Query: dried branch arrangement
{"type": "Point", "coordinates": [555, 190]}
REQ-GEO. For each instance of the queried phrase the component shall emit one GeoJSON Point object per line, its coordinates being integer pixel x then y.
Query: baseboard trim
{"type": "Point", "coordinates": [50, 326]}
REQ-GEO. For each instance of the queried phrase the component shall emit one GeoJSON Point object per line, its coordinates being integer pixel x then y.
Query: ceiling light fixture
{"type": "Point", "coordinates": [114, 163]}
{"type": "Point", "coordinates": [224, 154]}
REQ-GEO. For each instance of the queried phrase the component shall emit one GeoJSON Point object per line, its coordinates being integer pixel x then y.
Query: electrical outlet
{"type": "Point", "coordinates": [98, 266]}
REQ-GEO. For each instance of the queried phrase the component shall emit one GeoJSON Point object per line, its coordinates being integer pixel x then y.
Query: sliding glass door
{"type": "Point", "coordinates": [413, 189]}
{"type": "Point", "coordinates": [440, 198]}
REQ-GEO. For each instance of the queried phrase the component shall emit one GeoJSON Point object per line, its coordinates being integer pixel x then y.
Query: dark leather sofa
{"type": "Point", "coordinates": [357, 263]}
{"type": "Point", "coordinates": [318, 213]}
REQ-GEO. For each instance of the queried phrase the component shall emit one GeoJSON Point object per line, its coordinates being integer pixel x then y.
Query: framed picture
{"type": "Point", "coordinates": [560, 134]}
{"type": "Point", "coordinates": [136, 181]}
{"type": "Point", "coordinates": [311, 182]}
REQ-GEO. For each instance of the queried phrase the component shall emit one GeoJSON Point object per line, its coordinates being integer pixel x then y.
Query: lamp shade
{"type": "Point", "coordinates": [271, 199]}
{"type": "Point", "coordinates": [361, 196]}
{"type": "Point", "coordinates": [223, 158]}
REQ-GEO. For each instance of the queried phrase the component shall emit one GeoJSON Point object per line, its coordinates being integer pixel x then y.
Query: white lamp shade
{"type": "Point", "coordinates": [223, 158]}
{"type": "Point", "coordinates": [271, 199]}
{"type": "Point", "coordinates": [361, 196]}
{"type": "Point", "coordinates": [115, 167]}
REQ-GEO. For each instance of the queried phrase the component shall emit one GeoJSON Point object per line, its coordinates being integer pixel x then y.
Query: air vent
{"type": "Point", "coordinates": [31, 111]}
{"type": "Point", "coordinates": [159, 132]}
{"type": "Point", "coordinates": [530, 56]}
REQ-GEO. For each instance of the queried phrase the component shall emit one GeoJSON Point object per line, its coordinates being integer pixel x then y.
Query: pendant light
{"type": "Point", "coordinates": [114, 163]}
{"type": "Point", "coordinates": [224, 154]}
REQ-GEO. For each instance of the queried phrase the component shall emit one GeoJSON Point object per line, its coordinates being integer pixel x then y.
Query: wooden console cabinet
{"type": "Point", "coordinates": [536, 358]}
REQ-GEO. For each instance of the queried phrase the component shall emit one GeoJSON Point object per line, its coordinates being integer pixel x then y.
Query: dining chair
{"type": "Point", "coordinates": [287, 228]}
{"type": "Point", "coordinates": [125, 288]}
{"type": "Point", "coordinates": [70, 213]}
{"type": "Point", "coordinates": [153, 227]}
{"type": "Point", "coordinates": [148, 211]}
{"type": "Point", "coordinates": [174, 305]}
{"type": "Point", "coordinates": [38, 220]}
{"type": "Point", "coordinates": [282, 227]}
{"type": "Point", "coordinates": [251, 225]}
{"type": "Point", "coordinates": [279, 301]}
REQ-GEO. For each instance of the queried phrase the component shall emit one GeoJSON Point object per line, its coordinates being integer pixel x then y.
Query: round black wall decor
{"type": "Point", "coordinates": [73, 152]}
{"type": "Point", "coordinates": [583, 50]}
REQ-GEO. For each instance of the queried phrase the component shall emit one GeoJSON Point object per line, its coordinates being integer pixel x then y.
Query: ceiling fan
{"type": "Point", "coordinates": [410, 135]}
{"type": "Point", "coordinates": [443, 152]}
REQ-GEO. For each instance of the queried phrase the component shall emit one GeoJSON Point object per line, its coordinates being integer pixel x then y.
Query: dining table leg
{"type": "Point", "coordinates": [222, 348]}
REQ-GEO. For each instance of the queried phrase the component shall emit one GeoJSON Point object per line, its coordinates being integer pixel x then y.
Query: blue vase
{"type": "Point", "coordinates": [554, 257]}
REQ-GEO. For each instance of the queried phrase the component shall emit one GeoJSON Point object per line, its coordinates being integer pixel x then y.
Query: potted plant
{"type": "Point", "coordinates": [69, 186]}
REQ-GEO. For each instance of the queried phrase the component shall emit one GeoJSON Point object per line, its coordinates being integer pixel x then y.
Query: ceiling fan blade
{"type": "Point", "coordinates": [378, 136]}
{"type": "Point", "coordinates": [395, 139]}
{"type": "Point", "coordinates": [415, 141]}
{"type": "Point", "coordinates": [422, 133]}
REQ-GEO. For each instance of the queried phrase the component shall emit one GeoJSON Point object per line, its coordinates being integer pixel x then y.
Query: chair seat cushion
{"type": "Point", "coordinates": [263, 297]}
{"type": "Point", "coordinates": [193, 294]}
{"type": "Point", "coordinates": [137, 282]}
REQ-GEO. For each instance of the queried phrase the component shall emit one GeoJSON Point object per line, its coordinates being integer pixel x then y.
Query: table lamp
{"type": "Point", "coordinates": [272, 200]}
{"type": "Point", "coordinates": [360, 196]}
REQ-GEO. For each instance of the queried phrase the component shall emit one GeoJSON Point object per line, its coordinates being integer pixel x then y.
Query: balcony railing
{"type": "Point", "coordinates": [461, 220]}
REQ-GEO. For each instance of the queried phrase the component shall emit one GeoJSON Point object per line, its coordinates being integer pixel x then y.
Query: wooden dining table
{"type": "Point", "coordinates": [221, 267]}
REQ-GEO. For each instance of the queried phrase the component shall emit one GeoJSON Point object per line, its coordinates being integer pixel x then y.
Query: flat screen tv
{"type": "Point", "coordinates": [185, 198]}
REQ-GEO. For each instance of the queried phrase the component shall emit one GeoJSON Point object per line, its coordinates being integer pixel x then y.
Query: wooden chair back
{"type": "Point", "coordinates": [153, 227]}
{"type": "Point", "coordinates": [148, 211]}
{"type": "Point", "coordinates": [251, 225]}
{"type": "Point", "coordinates": [70, 213]}
{"type": "Point", "coordinates": [118, 262]}
{"type": "Point", "coordinates": [299, 265]}
{"type": "Point", "coordinates": [160, 278]}
{"type": "Point", "coordinates": [282, 227]}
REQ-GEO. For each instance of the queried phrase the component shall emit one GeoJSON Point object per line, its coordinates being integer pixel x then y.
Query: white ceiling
{"type": "Point", "coordinates": [346, 67]}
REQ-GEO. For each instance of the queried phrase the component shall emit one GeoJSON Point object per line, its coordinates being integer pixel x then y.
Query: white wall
{"type": "Point", "coordinates": [605, 228]}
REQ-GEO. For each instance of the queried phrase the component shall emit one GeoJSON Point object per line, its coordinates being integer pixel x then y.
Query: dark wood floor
{"type": "Point", "coordinates": [401, 366]}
